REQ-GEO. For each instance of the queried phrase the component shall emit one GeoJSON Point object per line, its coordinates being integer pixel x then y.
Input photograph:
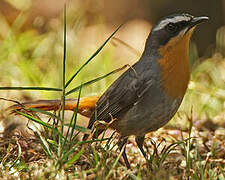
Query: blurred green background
{"type": "Point", "coordinates": [31, 46]}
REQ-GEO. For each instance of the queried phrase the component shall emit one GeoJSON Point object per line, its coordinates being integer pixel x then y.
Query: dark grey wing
{"type": "Point", "coordinates": [120, 96]}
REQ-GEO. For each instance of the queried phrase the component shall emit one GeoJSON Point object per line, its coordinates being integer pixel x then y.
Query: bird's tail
{"type": "Point", "coordinates": [85, 108]}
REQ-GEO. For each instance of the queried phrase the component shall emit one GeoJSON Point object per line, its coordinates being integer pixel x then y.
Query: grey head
{"type": "Point", "coordinates": [170, 27]}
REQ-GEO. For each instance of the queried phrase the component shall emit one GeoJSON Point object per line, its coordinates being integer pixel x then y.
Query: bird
{"type": "Point", "coordinates": [148, 94]}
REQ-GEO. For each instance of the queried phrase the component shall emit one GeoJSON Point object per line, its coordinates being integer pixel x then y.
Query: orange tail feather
{"type": "Point", "coordinates": [86, 105]}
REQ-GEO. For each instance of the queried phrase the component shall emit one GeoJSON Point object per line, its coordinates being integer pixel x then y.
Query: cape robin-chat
{"type": "Point", "coordinates": [147, 95]}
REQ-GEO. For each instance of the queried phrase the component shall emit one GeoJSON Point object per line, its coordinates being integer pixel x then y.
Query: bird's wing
{"type": "Point", "coordinates": [120, 96]}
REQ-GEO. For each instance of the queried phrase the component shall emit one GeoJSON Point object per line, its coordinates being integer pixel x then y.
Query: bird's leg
{"type": "Point", "coordinates": [122, 142]}
{"type": "Point", "coordinates": [140, 141]}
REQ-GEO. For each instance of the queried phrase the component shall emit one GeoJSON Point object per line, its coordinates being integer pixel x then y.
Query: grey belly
{"type": "Point", "coordinates": [148, 114]}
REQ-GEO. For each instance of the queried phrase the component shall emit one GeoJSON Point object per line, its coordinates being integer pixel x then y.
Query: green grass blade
{"type": "Point", "coordinates": [76, 113]}
{"type": "Point", "coordinates": [43, 112]}
{"type": "Point", "coordinates": [44, 143]}
{"type": "Point", "coordinates": [95, 53]}
{"type": "Point", "coordinates": [74, 117]}
{"type": "Point", "coordinates": [31, 88]}
{"type": "Point", "coordinates": [132, 176]}
{"type": "Point", "coordinates": [96, 156]}
{"type": "Point", "coordinates": [52, 142]}
{"type": "Point", "coordinates": [115, 163]}
{"type": "Point", "coordinates": [64, 72]}
{"type": "Point", "coordinates": [72, 124]}
{"type": "Point", "coordinates": [35, 120]}
{"type": "Point", "coordinates": [77, 127]}
{"type": "Point", "coordinates": [39, 122]}
{"type": "Point", "coordinates": [64, 52]}
{"type": "Point", "coordinates": [74, 158]}
{"type": "Point", "coordinates": [95, 80]}
{"type": "Point", "coordinates": [80, 143]}
{"type": "Point", "coordinates": [81, 129]}
{"type": "Point", "coordinates": [61, 143]}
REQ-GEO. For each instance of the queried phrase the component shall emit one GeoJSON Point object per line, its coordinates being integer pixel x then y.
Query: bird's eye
{"type": "Point", "coordinates": [171, 27]}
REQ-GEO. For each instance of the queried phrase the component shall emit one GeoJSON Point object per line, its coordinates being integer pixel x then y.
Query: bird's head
{"type": "Point", "coordinates": [172, 30]}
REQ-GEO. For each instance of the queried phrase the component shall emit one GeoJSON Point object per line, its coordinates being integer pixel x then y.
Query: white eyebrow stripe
{"type": "Point", "coordinates": [164, 22]}
{"type": "Point", "coordinates": [161, 25]}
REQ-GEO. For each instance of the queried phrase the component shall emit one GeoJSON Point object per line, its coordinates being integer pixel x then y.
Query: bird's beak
{"type": "Point", "coordinates": [193, 22]}
{"type": "Point", "coordinates": [197, 20]}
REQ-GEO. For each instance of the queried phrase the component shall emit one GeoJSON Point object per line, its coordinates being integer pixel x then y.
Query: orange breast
{"type": "Point", "coordinates": [174, 66]}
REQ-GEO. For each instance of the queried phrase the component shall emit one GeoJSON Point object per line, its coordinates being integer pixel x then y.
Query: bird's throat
{"type": "Point", "coordinates": [174, 66]}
